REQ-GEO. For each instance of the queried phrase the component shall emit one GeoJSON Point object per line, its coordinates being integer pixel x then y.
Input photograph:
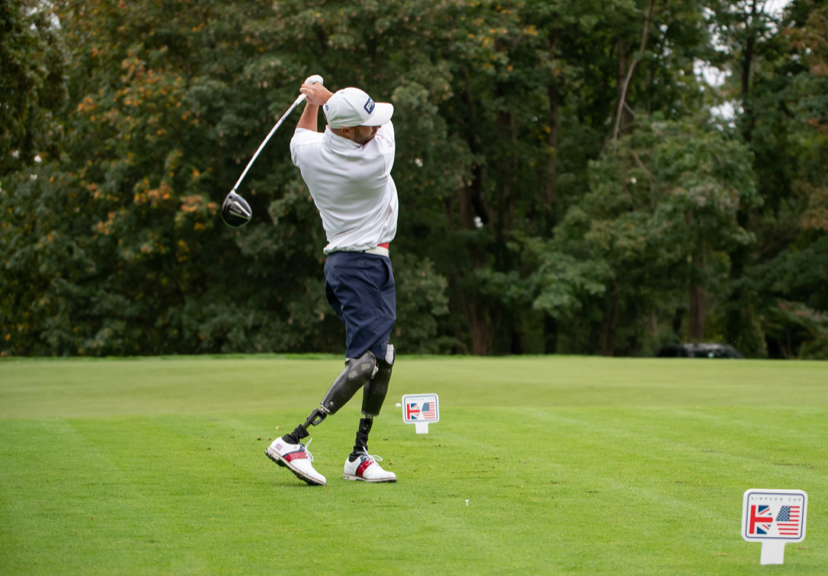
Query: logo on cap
{"type": "Point", "coordinates": [369, 106]}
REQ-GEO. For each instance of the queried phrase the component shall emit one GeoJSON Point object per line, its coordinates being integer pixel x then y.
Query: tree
{"type": "Point", "coordinates": [158, 128]}
{"type": "Point", "coordinates": [32, 84]}
{"type": "Point", "coordinates": [770, 56]}
{"type": "Point", "coordinates": [661, 213]}
{"type": "Point", "coordinates": [562, 186]}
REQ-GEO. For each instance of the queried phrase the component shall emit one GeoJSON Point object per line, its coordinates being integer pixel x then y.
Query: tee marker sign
{"type": "Point", "coordinates": [774, 518]}
{"type": "Point", "coordinates": [420, 410]}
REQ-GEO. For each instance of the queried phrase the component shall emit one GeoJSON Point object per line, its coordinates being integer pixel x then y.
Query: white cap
{"type": "Point", "coordinates": [352, 107]}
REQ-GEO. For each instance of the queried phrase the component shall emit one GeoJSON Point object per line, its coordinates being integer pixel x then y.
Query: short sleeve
{"type": "Point", "coordinates": [301, 139]}
{"type": "Point", "coordinates": [385, 137]}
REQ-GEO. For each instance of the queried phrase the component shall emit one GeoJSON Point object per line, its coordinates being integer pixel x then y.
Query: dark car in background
{"type": "Point", "coordinates": [699, 351]}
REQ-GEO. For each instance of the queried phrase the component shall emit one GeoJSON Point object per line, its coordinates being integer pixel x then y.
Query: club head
{"type": "Point", "coordinates": [235, 211]}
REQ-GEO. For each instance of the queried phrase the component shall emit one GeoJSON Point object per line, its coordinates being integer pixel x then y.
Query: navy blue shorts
{"type": "Point", "coordinates": [361, 290]}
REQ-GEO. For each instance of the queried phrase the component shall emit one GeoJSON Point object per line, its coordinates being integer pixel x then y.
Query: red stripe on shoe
{"type": "Point", "coordinates": [295, 456]}
{"type": "Point", "coordinates": [364, 466]}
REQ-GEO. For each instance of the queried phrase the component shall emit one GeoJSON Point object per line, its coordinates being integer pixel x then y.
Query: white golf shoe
{"type": "Point", "coordinates": [297, 459]}
{"type": "Point", "coordinates": [365, 468]}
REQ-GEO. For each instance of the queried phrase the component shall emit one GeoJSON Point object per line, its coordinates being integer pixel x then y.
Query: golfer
{"type": "Point", "coordinates": [348, 172]}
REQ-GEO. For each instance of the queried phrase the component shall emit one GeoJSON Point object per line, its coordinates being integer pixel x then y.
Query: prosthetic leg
{"type": "Point", "coordinates": [373, 396]}
{"type": "Point", "coordinates": [358, 371]}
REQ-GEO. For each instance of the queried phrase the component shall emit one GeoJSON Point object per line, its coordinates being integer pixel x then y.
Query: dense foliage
{"type": "Point", "coordinates": [568, 180]}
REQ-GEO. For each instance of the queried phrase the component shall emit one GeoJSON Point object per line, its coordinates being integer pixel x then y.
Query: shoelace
{"type": "Point", "coordinates": [373, 457]}
{"type": "Point", "coordinates": [310, 456]}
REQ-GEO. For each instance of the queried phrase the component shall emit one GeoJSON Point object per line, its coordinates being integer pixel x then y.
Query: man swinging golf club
{"type": "Point", "coordinates": [348, 172]}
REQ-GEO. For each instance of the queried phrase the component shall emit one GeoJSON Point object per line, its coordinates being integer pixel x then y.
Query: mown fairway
{"type": "Point", "coordinates": [570, 466]}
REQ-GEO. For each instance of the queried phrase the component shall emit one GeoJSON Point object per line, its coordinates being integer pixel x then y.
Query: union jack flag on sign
{"type": "Point", "coordinates": [760, 520]}
{"type": "Point", "coordinates": [412, 411]}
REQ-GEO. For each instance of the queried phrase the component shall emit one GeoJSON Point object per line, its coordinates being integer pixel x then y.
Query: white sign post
{"type": "Point", "coordinates": [420, 410]}
{"type": "Point", "coordinates": [774, 518]}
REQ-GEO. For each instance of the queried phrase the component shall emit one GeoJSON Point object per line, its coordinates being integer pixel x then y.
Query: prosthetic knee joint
{"type": "Point", "coordinates": [357, 372]}
{"type": "Point", "coordinates": [375, 390]}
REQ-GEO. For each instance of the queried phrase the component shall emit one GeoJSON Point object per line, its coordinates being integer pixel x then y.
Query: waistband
{"type": "Point", "coordinates": [381, 249]}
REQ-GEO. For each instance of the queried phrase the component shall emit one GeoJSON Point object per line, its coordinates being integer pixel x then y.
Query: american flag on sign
{"type": "Point", "coordinates": [788, 520]}
{"type": "Point", "coordinates": [429, 410]}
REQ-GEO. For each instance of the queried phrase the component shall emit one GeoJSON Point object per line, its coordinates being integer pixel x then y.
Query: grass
{"type": "Point", "coordinates": [569, 465]}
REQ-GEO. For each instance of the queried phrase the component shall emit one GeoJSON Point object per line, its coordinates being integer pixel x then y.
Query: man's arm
{"type": "Point", "coordinates": [316, 95]}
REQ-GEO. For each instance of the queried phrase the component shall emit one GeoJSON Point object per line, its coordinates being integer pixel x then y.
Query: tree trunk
{"type": "Point", "coordinates": [550, 191]}
{"type": "Point", "coordinates": [743, 329]}
{"type": "Point", "coordinates": [477, 313]}
{"type": "Point", "coordinates": [471, 205]}
{"type": "Point", "coordinates": [622, 119]}
{"type": "Point", "coordinates": [550, 335]}
{"type": "Point", "coordinates": [608, 344]}
{"type": "Point", "coordinates": [506, 170]}
{"type": "Point", "coordinates": [698, 309]}
{"type": "Point", "coordinates": [503, 319]}
{"type": "Point", "coordinates": [746, 65]}
{"type": "Point", "coordinates": [678, 317]}
{"type": "Point", "coordinates": [551, 180]}
{"type": "Point", "coordinates": [624, 79]}
{"type": "Point", "coordinates": [697, 313]}
{"type": "Point", "coordinates": [480, 327]}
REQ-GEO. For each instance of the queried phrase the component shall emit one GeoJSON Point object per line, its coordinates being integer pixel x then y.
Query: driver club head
{"type": "Point", "coordinates": [235, 211]}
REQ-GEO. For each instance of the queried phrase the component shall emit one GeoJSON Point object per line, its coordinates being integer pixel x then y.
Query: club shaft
{"type": "Point", "coordinates": [264, 143]}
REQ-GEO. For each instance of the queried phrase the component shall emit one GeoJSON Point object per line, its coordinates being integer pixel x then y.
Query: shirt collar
{"type": "Point", "coordinates": [339, 144]}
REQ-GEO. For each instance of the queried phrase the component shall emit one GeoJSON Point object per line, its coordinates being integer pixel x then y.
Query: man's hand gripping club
{"type": "Point", "coordinates": [316, 95]}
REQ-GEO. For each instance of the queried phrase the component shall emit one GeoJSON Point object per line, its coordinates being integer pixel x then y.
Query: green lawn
{"type": "Point", "coordinates": [569, 465]}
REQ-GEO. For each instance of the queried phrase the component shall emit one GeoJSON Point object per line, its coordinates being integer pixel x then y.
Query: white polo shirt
{"type": "Point", "coordinates": [351, 186]}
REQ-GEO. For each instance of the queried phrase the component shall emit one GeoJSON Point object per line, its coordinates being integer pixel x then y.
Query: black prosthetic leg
{"type": "Point", "coordinates": [361, 443]}
{"type": "Point", "coordinates": [373, 397]}
{"type": "Point", "coordinates": [357, 372]}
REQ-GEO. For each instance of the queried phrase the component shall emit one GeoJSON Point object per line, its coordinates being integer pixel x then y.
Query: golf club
{"type": "Point", "coordinates": [235, 211]}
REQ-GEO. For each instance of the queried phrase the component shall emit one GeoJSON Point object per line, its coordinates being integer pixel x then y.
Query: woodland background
{"type": "Point", "coordinates": [570, 181]}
